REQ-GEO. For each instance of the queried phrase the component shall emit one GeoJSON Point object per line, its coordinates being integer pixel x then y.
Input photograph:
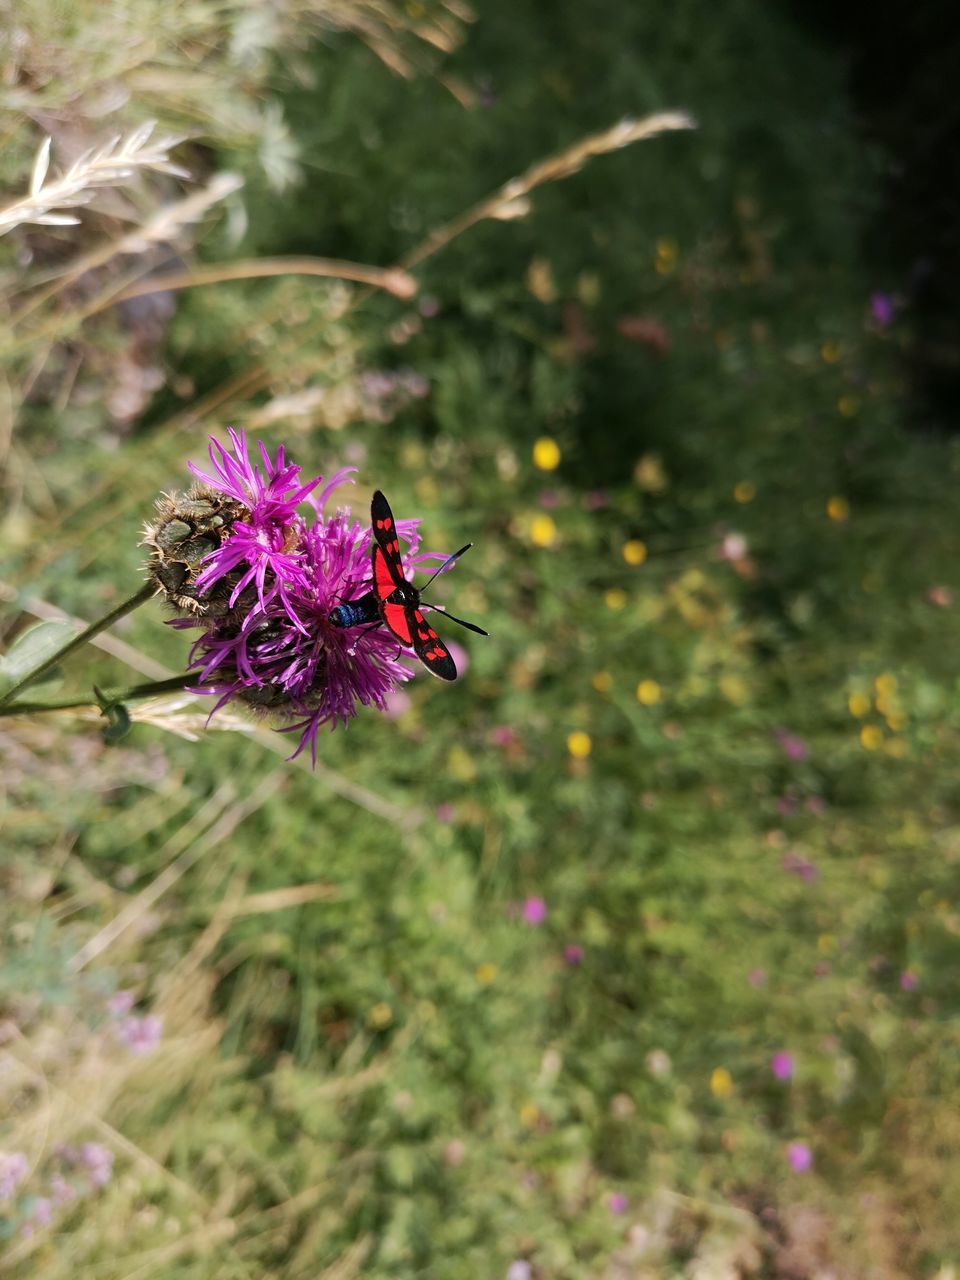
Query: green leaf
{"type": "Point", "coordinates": [32, 649]}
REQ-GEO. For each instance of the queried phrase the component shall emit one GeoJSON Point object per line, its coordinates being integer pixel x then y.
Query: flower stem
{"type": "Point", "coordinates": [149, 690]}
{"type": "Point", "coordinates": [78, 641]}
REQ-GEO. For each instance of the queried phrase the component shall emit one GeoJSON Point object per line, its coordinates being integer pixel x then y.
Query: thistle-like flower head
{"type": "Point", "coordinates": [260, 545]}
{"type": "Point", "coordinates": [264, 590]}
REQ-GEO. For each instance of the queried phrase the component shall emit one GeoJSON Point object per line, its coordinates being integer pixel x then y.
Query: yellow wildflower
{"type": "Point", "coordinates": [721, 1082]}
{"type": "Point", "coordinates": [648, 693]}
{"type": "Point", "coordinates": [848, 406]}
{"type": "Point", "coordinates": [543, 531]}
{"type": "Point", "coordinates": [546, 454]}
{"type": "Point", "coordinates": [381, 1015]}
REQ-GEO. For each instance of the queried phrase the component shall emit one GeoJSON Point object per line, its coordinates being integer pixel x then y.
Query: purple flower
{"type": "Point", "coordinates": [882, 309]}
{"type": "Point", "coordinates": [61, 1190]}
{"type": "Point", "coordinates": [446, 812]}
{"type": "Point", "coordinates": [573, 954]}
{"type": "Point", "coordinates": [277, 651]}
{"type": "Point", "coordinates": [534, 911]}
{"type": "Point", "coordinates": [14, 1167]}
{"type": "Point", "coordinates": [397, 703]}
{"type": "Point", "coordinates": [799, 1157]}
{"type": "Point", "coordinates": [757, 978]}
{"type": "Point", "coordinates": [781, 1064]}
{"type": "Point", "coordinates": [38, 1213]}
{"type": "Point", "coordinates": [798, 865]}
{"type": "Point", "coordinates": [909, 981]}
{"type": "Point", "coordinates": [519, 1269]}
{"type": "Point", "coordinates": [257, 547]}
{"type": "Point", "coordinates": [97, 1160]}
{"type": "Point", "coordinates": [141, 1035]}
{"type": "Point", "coordinates": [120, 1003]}
{"type": "Point", "coordinates": [793, 746]}
{"type": "Point", "coordinates": [617, 1202]}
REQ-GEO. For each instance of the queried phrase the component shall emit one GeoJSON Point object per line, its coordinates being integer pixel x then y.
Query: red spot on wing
{"type": "Point", "coordinates": [386, 575]}
{"type": "Point", "coordinates": [397, 618]}
{"type": "Point", "coordinates": [434, 656]}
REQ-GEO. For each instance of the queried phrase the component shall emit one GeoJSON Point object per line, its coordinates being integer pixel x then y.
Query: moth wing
{"type": "Point", "coordinates": [430, 649]}
{"type": "Point", "coordinates": [387, 575]}
{"type": "Point", "coordinates": [399, 618]}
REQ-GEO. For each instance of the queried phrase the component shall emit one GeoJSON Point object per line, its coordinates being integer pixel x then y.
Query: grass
{"type": "Point", "coordinates": [728, 776]}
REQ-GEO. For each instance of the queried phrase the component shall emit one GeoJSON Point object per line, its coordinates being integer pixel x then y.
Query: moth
{"type": "Point", "coordinates": [395, 602]}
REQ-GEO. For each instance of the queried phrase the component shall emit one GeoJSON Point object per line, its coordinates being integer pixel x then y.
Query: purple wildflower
{"type": "Point", "coordinates": [534, 911]}
{"type": "Point", "coordinates": [97, 1160]}
{"type": "Point", "coordinates": [61, 1190]}
{"type": "Point", "coordinates": [757, 978]}
{"type": "Point", "coordinates": [277, 650]}
{"type": "Point", "coordinates": [41, 1211]}
{"type": "Point", "coordinates": [14, 1167]}
{"type": "Point", "coordinates": [259, 546]}
{"type": "Point", "coordinates": [446, 812]}
{"type": "Point", "coordinates": [519, 1269]}
{"type": "Point", "coordinates": [573, 954]}
{"type": "Point", "coordinates": [458, 653]}
{"type": "Point", "coordinates": [141, 1035]}
{"type": "Point", "coordinates": [882, 309]}
{"type": "Point", "coordinates": [798, 865]}
{"type": "Point", "coordinates": [799, 1157]}
{"type": "Point", "coordinates": [781, 1064]}
{"type": "Point", "coordinates": [397, 703]}
{"type": "Point", "coordinates": [909, 981]}
{"type": "Point", "coordinates": [793, 746]}
{"type": "Point", "coordinates": [617, 1202]}
{"type": "Point", "coordinates": [120, 1003]}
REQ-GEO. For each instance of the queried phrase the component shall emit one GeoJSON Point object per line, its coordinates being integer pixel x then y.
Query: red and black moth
{"type": "Point", "coordinates": [395, 602]}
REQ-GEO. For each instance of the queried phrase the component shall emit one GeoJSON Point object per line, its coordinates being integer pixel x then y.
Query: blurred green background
{"type": "Point", "coordinates": [634, 952]}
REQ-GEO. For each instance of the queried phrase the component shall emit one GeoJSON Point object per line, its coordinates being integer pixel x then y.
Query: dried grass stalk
{"type": "Point", "coordinates": [512, 199]}
{"type": "Point", "coordinates": [111, 165]}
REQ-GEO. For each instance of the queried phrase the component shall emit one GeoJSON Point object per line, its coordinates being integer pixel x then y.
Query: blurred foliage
{"type": "Point", "coordinates": [713, 730]}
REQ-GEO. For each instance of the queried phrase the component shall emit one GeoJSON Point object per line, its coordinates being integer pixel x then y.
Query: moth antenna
{"type": "Point", "coordinates": [471, 626]}
{"type": "Point", "coordinates": [449, 560]}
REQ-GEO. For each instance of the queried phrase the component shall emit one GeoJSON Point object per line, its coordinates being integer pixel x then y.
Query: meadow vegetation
{"type": "Point", "coordinates": [633, 952]}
